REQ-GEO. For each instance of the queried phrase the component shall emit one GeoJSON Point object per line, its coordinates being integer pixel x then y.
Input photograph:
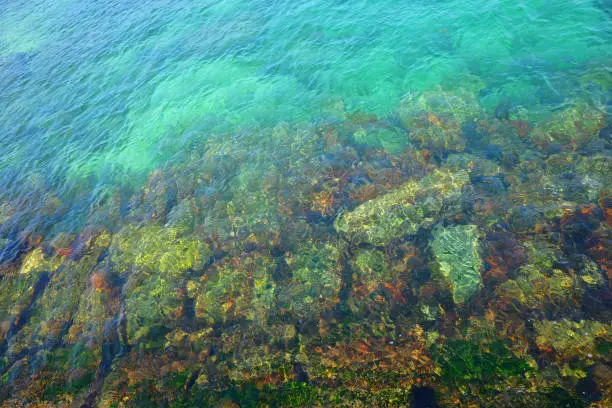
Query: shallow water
{"type": "Point", "coordinates": [305, 203]}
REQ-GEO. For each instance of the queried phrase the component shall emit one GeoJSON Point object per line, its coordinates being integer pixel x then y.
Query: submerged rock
{"type": "Point", "coordinates": [315, 282]}
{"type": "Point", "coordinates": [372, 275]}
{"type": "Point", "coordinates": [595, 175]}
{"type": "Point", "coordinates": [36, 261]}
{"type": "Point", "coordinates": [237, 289]}
{"type": "Point", "coordinates": [155, 260]}
{"type": "Point", "coordinates": [369, 267]}
{"type": "Point", "coordinates": [54, 302]}
{"type": "Point", "coordinates": [457, 252]}
{"type": "Point", "coordinates": [390, 139]}
{"type": "Point", "coordinates": [573, 126]}
{"type": "Point", "coordinates": [153, 248]}
{"type": "Point", "coordinates": [183, 215]}
{"type": "Point", "coordinates": [435, 119]}
{"type": "Point", "coordinates": [571, 339]}
{"type": "Point", "coordinates": [403, 211]}
{"type": "Point", "coordinates": [546, 280]}
{"type": "Point", "coordinates": [16, 294]}
{"type": "Point", "coordinates": [476, 164]}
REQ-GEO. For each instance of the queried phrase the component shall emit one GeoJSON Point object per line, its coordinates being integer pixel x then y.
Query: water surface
{"type": "Point", "coordinates": [305, 203]}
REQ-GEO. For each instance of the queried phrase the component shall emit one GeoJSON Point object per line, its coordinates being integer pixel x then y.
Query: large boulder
{"type": "Point", "coordinates": [457, 252]}
{"type": "Point", "coordinates": [403, 211]}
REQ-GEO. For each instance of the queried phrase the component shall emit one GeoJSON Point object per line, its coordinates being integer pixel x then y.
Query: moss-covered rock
{"type": "Point", "coordinates": [182, 216]}
{"type": "Point", "coordinates": [457, 252]}
{"type": "Point", "coordinates": [403, 211]}
{"type": "Point", "coordinates": [253, 212]}
{"type": "Point", "coordinates": [16, 295]}
{"type": "Point", "coordinates": [579, 178]}
{"type": "Point", "coordinates": [370, 272]}
{"type": "Point", "coordinates": [588, 272]}
{"type": "Point", "coordinates": [369, 266]}
{"type": "Point", "coordinates": [248, 207]}
{"type": "Point", "coordinates": [477, 165]}
{"type": "Point", "coordinates": [595, 176]}
{"type": "Point", "coordinates": [468, 361]}
{"type": "Point", "coordinates": [95, 329]}
{"type": "Point", "coordinates": [153, 306]}
{"type": "Point", "coordinates": [18, 290]}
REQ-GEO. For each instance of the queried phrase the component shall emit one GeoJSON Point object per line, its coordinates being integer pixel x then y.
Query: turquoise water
{"type": "Point", "coordinates": [99, 95]}
{"type": "Point", "coordinates": [156, 156]}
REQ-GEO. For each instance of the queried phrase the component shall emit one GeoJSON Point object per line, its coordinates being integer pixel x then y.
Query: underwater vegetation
{"type": "Point", "coordinates": [409, 214]}
{"type": "Point", "coordinates": [428, 273]}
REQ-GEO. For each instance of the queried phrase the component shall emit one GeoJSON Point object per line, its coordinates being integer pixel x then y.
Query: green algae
{"type": "Point", "coordinates": [156, 259]}
{"type": "Point", "coordinates": [370, 272]}
{"type": "Point", "coordinates": [16, 294]}
{"type": "Point", "coordinates": [529, 289]}
{"type": "Point", "coordinates": [370, 264]}
{"type": "Point", "coordinates": [154, 248]}
{"type": "Point", "coordinates": [477, 165]}
{"type": "Point", "coordinates": [152, 305]}
{"type": "Point", "coordinates": [595, 173]}
{"type": "Point", "coordinates": [36, 262]}
{"type": "Point", "coordinates": [467, 362]}
{"type": "Point", "coordinates": [253, 212]}
{"type": "Point", "coordinates": [54, 309]}
{"type": "Point", "coordinates": [48, 320]}
{"type": "Point", "coordinates": [182, 216]}
{"type": "Point", "coordinates": [589, 273]}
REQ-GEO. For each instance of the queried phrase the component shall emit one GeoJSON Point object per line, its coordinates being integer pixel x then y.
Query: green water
{"type": "Point", "coordinates": [106, 93]}
{"type": "Point", "coordinates": [286, 177]}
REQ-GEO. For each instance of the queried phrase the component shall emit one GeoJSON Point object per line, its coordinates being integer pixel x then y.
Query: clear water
{"type": "Point", "coordinates": [97, 95]}
{"type": "Point", "coordinates": [114, 113]}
